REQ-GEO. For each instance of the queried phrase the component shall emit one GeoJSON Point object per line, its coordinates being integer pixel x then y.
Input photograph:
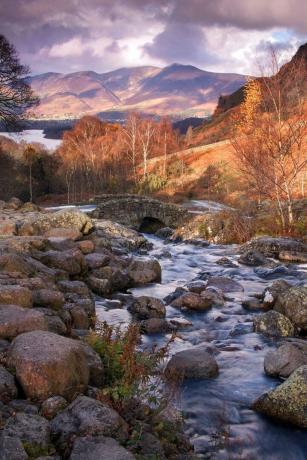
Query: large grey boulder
{"type": "Point", "coordinates": [143, 271]}
{"type": "Point", "coordinates": [99, 448]}
{"type": "Point", "coordinates": [71, 261]}
{"type": "Point", "coordinates": [145, 307]}
{"type": "Point", "coordinates": [271, 292]}
{"type": "Point", "coordinates": [48, 364]}
{"type": "Point", "coordinates": [8, 389]}
{"type": "Point", "coordinates": [16, 295]}
{"type": "Point", "coordinates": [286, 359]}
{"type": "Point", "coordinates": [194, 363]}
{"type": "Point", "coordinates": [271, 247]}
{"type": "Point", "coordinates": [293, 304]}
{"type": "Point", "coordinates": [15, 320]}
{"type": "Point", "coordinates": [43, 223]}
{"type": "Point", "coordinates": [273, 324]}
{"type": "Point", "coordinates": [88, 417]}
{"type": "Point", "coordinates": [288, 401]}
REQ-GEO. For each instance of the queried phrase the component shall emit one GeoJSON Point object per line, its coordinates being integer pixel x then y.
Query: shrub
{"type": "Point", "coordinates": [151, 183]}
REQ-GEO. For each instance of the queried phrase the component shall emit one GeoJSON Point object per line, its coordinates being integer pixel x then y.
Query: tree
{"type": "Point", "coordinates": [270, 138]}
{"type": "Point", "coordinates": [16, 95]}
{"type": "Point", "coordinates": [131, 140]}
{"type": "Point", "coordinates": [30, 156]}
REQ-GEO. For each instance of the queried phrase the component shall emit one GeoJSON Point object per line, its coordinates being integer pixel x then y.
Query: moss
{"type": "Point", "coordinates": [34, 450]}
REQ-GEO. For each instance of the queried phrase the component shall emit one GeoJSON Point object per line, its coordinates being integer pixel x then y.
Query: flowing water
{"type": "Point", "coordinates": [217, 411]}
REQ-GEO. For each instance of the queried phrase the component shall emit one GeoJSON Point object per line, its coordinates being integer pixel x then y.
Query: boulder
{"type": "Point", "coordinates": [48, 364]}
{"type": "Point", "coordinates": [272, 247]}
{"type": "Point", "coordinates": [252, 258]}
{"type": "Point", "coordinates": [253, 305]}
{"type": "Point", "coordinates": [86, 246]}
{"type": "Point", "coordinates": [52, 406]}
{"type": "Point", "coordinates": [10, 262]}
{"type": "Point", "coordinates": [16, 295]}
{"type": "Point", "coordinates": [75, 287]}
{"type": "Point", "coordinates": [78, 315]}
{"type": "Point", "coordinates": [99, 447]}
{"type": "Point", "coordinates": [96, 369]}
{"type": "Point", "coordinates": [15, 320]}
{"type": "Point", "coordinates": [71, 261]}
{"type": "Point", "coordinates": [224, 284]}
{"type": "Point", "coordinates": [273, 324]}
{"type": "Point", "coordinates": [164, 232]}
{"type": "Point", "coordinates": [54, 322]}
{"type": "Point", "coordinates": [143, 271]}
{"type": "Point", "coordinates": [154, 326]}
{"type": "Point", "coordinates": [145, 307]}
{"type": "Point", "coordinates": [8, 228]}
{"type": "Point", "coordinates": [194, 363]}
{"type": "Point", "coordinates": [295, 257]}
{"type": "Point", "coordinates": [286, 359]}
{"type": "Point", "coordinates": [65, 219]}
{"type": "Point", "coordinates": [97, 260]}
{"type": "Point", "coordinates": [11, 448]}
{"type": "Point", "coordinates": [288, 401]}
{"type": "Point", "coordinates": [225, 262]}
{"type": "Point", "coordinates": [8, 389]}
{"type": "Point", "coordinates": [196, 286]}
{"type": "Point", "coordinates": [13, 203]}
{"type": "Point", "coordinates": [48, 298]}
{"type": "Point", "coordinates": [194, 301]}
{"type": "Point", "coordinates": [271, 293]}
{"type": "Point", "coordinates": [293, 304]}
{"type": "Point", "coordinates": [88, 417]}
{"type": "Point", "coordinates": [101, 287]}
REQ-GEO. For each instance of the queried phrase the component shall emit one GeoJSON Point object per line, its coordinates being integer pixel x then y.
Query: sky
{"type": "Point", "coordinates": [103, 35]}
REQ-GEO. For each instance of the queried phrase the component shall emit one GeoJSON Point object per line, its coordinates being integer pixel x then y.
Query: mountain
{"type": "Point", "coordinates": [171, 90]}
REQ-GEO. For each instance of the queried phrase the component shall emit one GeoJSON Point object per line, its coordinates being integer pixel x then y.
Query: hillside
{"type": "Point", "coordinates": [174, 89]}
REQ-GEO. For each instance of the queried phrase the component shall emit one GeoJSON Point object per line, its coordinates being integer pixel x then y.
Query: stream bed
{"type": "Point", "coordinates": [217, 411]}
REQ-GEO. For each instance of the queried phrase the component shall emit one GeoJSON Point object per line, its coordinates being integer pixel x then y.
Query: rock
{"type": "Point", "coordinates": [196, 286]}
{"type": "Point", "coordinates": [96, 377]}
{"type": "Point", "coordinates": [165, 232]}
{"type": "Point", "coordinates": [253, 258]}
{"type": "Point", "coordinates": [225, 262]}
{"type": "Point", "coordinates": [271, 293]}
{"type": "Point", "coordinates": [32, 430]}
{"type": "Point", "coordinates": [12, 449]}
{"type": "Point", "coordinates": [54, 322]}
{"type": "Point", "coordinates": [194, 363]}
{"type": "Point", "coordinates": [15, 320]}
{"type": "Point", "coordinates": [253, 305]}
{"type": "Point", "coordinates": [67, 233]}
{"type": "Point", "coordinates": [99, 286]}
{"type": "Point", "coordinates": [8, 389]}
{"type": "Point", "coordinates": [293, 304]}
{"type": "Point", "coordinates": [13, 203]}
{"type": "Point", "coordinates": [147, 307]}
{"type": "Point", "coordinates": [296, 257]}
{"type": "Point", "coordinates": [224, 284]}
{"type": "Point", "coordinates": [287, 402]}
{"type": "Point", "coordinates": [174, 295]}
{"type": "Point", "coordinates": [88, 417]}
{"type": "Point", "coordinates": [66, 219]}
{"type": "Point", "coordinates": [154, 326]}
{"type": "Point", "coordinates": [48, 364]}
{"type": "Point", "coordinates": [117, 278]}
{"type": "Point", "coordinates": [273, 324]}
{"type": "Point", "coordinates": [286, 359]}
{"type": "Point", "coordinates": [143, 271]}
{"type": "Point", "coordinates": [7, 228]}
{"type": "Point", "coordinates": [71, 261]}
{"type": "Point", "coordinates": [86, 246]}
{"type": "Point", "coordinates": [272, 247]}
{"type": "Point", "coordinates": [113, 234]}
{"type": "Point", "coordinates": [21, 405]}
{"type": "Point", "coordinates": [48, 298]}
{"type": "Point", "coordinates": [11, 263]}
{"type": "Point", "coordinates": [76, 287]}
{"type": "Point", "coordinates": [52, 406]}
{"type": "Point", "coordinates": [79, 317]}
{"type": "Point", "coordinates": [29, 207]}
{"type": "Point", "coordinates": [179, 323]}
{"type": "Point", "coordinates": [194, 301]}
{"type": "Point", "coordinates": [97, 260]}
{"type": "Point", "coordinates": [15, 295]}
{"type": "Point", "coordinates": [99, 447]}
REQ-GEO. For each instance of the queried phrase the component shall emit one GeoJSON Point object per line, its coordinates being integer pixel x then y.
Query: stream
{"type": "Point", "coordinates": [218, 419]}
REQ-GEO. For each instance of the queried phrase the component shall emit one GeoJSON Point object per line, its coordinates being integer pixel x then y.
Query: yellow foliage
{"type": "Point", "coordinates": [250, 106]}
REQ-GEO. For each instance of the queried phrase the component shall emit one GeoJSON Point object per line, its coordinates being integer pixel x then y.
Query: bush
{"type": "Point", "coordinates": [150, 184]}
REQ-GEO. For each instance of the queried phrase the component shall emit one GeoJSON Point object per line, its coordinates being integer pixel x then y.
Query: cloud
{"type": "Point", "coordinates": [220, 35]}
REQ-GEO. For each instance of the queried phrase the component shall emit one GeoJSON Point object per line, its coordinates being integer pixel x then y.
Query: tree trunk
{"type": "Point", "coordinates": [30, 183]}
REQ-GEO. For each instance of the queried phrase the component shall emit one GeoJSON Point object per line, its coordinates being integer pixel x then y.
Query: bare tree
{"type": "Point", "coordinates": [16, 95]}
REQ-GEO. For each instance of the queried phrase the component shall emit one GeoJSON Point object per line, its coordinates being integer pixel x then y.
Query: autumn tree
{"type": "Point", "coordinates": [270, 138]}
{"type": "Point", "coordinates": [30, 156]}
{"type": "Point", "coordinates": [167, 141]}
{"type": "Point", "coordinates": [16, 95]}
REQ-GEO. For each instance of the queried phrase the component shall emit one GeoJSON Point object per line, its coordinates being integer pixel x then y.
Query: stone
{"type": "Point", "coordinates": [76, 287]}
{"type": "Point", "coordinates": [97, 260]}
{"type": "Point", "coordinates": [193, 301]}
{"type": "Point", "coordinates": [69, 233]}
{"type": "Point", "coordinates": [252, 258]}
{"type": "Point", "coordinates": [54, 322]}
{"type": "Point", "coordinates": [272, 247]}
{"type": "Point", "coordinates": [99, 448]}
{"type": "Point", "coordinates": [194, 363]}
{"type": "Point", "coordinates": [32, 430]}
{"type": "Point", "coordinates": [86, 246]}
{"type": "Point", "coordinates": [286, 359]}
{"type": "Point", "coordinates": [145, 307]}
{"type": "Point", "coordinates": [15, 320]}
{"type": "Point", "coordinates": [253, 305]}
{"type": "Point", "coordinates": [295, 257]}
{"type": "Point", "coordinates": [67, 219]}
{"type": "Point", "coordinates": [154, 326]}
{"type": "Point", "coordinates": [225, 262]}
{"type": "Point", "coordinates": [293, 304]}
{"type": "Point", "coordinates": [99, 286]}
{"type": "Point", "coordinates": [11, 448]}
{"type": "Point", "coordinates": [52, 406]}
{"type": "Point", "coordinates": [15, 263]}
{"type": "Point", "coordinates": [96, 369]}
{"type": "Point", "coordinates": [21, 405]}
{"type": "Point", "coordinates": [16, 295]}
{"type": "Point", "coordinates": [88, 417]}
{"type": "Point", "coordinates": [71, 261]}
{"type": "Point", "coordinates": [143, 271]}
{"type": "Point", "coordinates": [48, 298]}
{"type": "Point", "coordinates": [273, 324]}
{"type": "Point", "coordinates": [8, 389]}
{"type": "Point", "coordinates": [165, 232]}
{"type": "Point", "coordinates": [7, 228]}
{"type": "Point", "coordinates": [288, 401]}
{"type": "Point", "coordinates": [271, 293]}
{"type": "Point", "coordinates": [79, 317]}
{"type": "Point", "coordinates": [48, 364]}
{"type": "Point", "coordinates": [13, 203]}
{"type": "Point", "coordinates": [224, 284]}
{"type": "Point", "coordinates": [196, 286]}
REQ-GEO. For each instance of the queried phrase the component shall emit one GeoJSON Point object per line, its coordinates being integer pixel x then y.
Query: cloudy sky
{"type": "Point", "coordinates": [102, 35]}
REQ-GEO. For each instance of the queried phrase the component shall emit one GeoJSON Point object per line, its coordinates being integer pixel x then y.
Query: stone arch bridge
{"type": "Point", "coordinates": [140, 212]}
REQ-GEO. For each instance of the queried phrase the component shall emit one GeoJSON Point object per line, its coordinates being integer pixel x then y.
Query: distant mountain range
{"type": "Point", "coordinates": [175, 90]}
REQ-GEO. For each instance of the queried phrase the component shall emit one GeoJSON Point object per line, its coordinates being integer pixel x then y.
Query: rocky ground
{"type": "Point", "coordinates": [52, 264]}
